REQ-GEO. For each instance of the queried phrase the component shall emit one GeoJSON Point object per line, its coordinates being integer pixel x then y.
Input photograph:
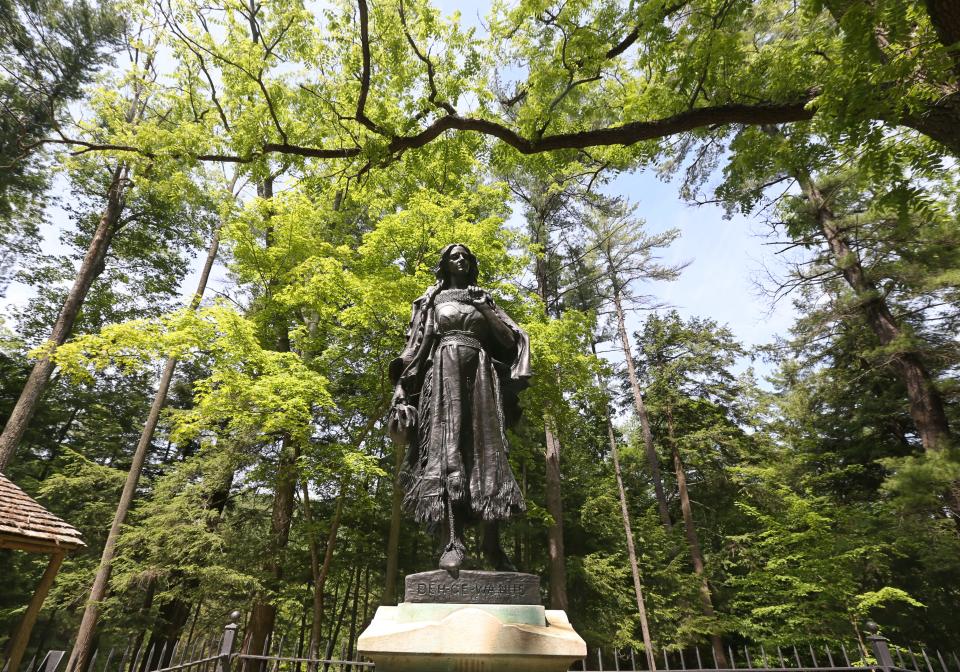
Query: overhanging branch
{"type": "Point", "coordinates": [624, 135]}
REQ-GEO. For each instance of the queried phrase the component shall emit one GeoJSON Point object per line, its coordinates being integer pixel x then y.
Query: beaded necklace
{"type": "Point", "coordinates": [453, 296]}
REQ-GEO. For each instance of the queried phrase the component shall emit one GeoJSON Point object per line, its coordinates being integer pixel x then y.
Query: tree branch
{"type": "Point", "coordinates": [625, 44]}
{"type": "Point", "coordinates": [626, 134]}
{"type": "Point", "coordinates": [361, 115]}
{"type": "Point", "coordinates": [447, 107]}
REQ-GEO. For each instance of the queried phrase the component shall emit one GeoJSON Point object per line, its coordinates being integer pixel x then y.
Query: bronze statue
{"type": "Point", "coordinates": [457, 382]}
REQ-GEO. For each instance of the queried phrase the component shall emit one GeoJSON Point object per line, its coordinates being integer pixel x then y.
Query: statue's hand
{"type": "Point", "coordinates": [481, 299]}
{"type": "Point", "coordinates": [401, 422]}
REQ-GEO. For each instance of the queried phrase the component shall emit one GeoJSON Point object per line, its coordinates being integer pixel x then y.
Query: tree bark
{"type": "Point", "coordinates": [926, 404]}
{"type": "Point", "coordinates": [631, 550]}
{"type": "Point", "coordinates": [628, 532]}
{"type": "Point", "coordinates": [79, 657]}
{"type": "Point", "coordinates": [264, 612]}
{"type": "Point", "coordinates": [353, 620]}
{"type": "Point", "coordinates": [393, 541]}
{"type": "Point", "coordinates": [653, 461]}
{"type": "Point", "coordinates": [303, 628]}
{"type": "Point", "coordinates": [170, 621]}
{"type": "Point", "coordinates": [945, 17]}
{"type": "Point", "coordinates": [320, 572]}
{"type": "Point", "coordinates": [693, 542]}
{"type": "Point", "coordinates": [90, 269]}
{"type": "Point", "coordinates": [553, 489]}
{"type": "Point", "coordinates": [335, 631]}
{"type": "Point", "coordinates": [554, 497]}
{"type": "Point", "coordinates": [314, 571]}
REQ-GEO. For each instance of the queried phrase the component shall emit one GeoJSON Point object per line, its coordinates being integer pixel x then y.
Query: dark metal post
{"type": "Point", "coordinates": [226, 644]}
{"type": "Point", "coordinates": [879, 645]}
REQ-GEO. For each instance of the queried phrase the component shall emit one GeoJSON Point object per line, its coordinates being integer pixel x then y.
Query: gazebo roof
{"type": "Point", "coordinates": [27, 526]}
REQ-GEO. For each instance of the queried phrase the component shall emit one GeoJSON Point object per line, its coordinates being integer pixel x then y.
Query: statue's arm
{"type": "Point", "coordinates": [400, 363]}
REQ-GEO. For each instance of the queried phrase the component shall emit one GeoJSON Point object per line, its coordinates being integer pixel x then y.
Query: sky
{"type": "Point", "coordinates": [726, 258]}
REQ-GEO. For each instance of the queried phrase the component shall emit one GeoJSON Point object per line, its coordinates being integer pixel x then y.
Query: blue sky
{"type": "Point", "coordinates": [726, 260]}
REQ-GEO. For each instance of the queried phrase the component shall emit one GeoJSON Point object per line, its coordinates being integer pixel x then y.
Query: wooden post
{"type": "Point", "coordinates": [226, 644]}
{"type": "Point", "coordinates": [18, 645]}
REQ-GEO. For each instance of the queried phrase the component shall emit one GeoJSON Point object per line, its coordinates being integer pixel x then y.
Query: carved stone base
{"type": "Point", "coordinates": [429, 637]}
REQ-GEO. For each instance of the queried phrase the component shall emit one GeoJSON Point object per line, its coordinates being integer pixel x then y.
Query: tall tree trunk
{"type": "Point", "coordinates": [353, 621]}
{"type": "Point", "coordinates": [653, 461]}
{"type": "Point", "coordinates": [142, 632]}
{"type": "Point", "coordinates": [90, 269]}
{"type": "Point", "coordinates": [80, 655]}
{"type": "Point", "coordinates": [170, 621]}
{"type": "Point", "coordinates": [926, 404]}
{"type": "Point", "coordinates": [693, 541]}
{"type": "Point", "coordinates": [303, 629]}
{"type": "Point", "coordinates": [320, 572]}
{"type": "Point", "coordinates": [631, 550]}
{"type": "Point", "coordinates": [366, 593]}
{"type": "Point", "coordinates": [628, 533]}
{"type": "Point", "coordinates": [338, 620]}
{"type": "Point", "coordinates": [317, 600]}
{"type": "Point", "coordinates": [393, 540]}
{"type": "Point", "coordinates": [264, 611]}
{"type": "Point", "coordinates": [554, 497]}
{"type": "Point", "coordinates": [557, 566]}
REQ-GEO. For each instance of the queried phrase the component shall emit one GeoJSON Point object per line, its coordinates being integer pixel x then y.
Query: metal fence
{"type": "Point", "coordinates": [216, 654]}
{"type": "Point", "coordinates": [213, 653]}
{"type": "Point", "coordinates": [874, 654]}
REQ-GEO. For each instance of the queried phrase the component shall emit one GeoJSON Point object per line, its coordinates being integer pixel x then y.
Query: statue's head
{"type": "Point", "coordinates": [455, 258]}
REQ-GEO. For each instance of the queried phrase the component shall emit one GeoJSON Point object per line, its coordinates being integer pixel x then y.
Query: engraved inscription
{"type": "Point", "coordinates": [465, 589]}
{"type": "Point", "coordinates": [473, 587]}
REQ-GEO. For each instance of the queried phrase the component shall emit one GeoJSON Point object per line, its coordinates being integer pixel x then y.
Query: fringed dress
{"type": "Point", "coordinates": [464, 384]}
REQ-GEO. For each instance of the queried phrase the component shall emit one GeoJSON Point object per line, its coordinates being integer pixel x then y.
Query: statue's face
{"type": "Point", "coordinates": [458, 263]}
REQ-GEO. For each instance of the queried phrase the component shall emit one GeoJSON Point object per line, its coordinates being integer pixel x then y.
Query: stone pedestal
{"type": "Point", "coordinates": [479, 622]}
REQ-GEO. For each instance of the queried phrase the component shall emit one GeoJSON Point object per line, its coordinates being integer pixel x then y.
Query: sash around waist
{"type": "Point", "coordinates": [461, 338]}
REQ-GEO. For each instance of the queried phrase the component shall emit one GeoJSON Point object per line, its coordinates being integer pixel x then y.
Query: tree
{"type": "Point", "coordinates": [79, 656]}
{"type": "Point", "coordinates": [401, 74]}
{"type": "Point", "coordinates": [52, 49]}
{"type": "Point", "coordinates": [886, 234]}
{"type": "Point", "coordinates": [160, 197]}
{"type": "Point", "coordinates": [685, 365]}
{"type": "Point", "coordinates": [625, 256]}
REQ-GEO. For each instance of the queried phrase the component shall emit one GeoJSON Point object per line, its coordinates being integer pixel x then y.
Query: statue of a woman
{"type": "Point", "coordinates": [457, 383]}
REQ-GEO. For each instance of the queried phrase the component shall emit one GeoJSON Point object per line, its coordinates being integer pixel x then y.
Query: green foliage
{"type": "Point", "coordinates": [51, 49]}
{"type": "Point", "coordinates": [812, 500]}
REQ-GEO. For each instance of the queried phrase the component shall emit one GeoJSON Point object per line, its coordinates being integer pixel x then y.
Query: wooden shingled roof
{"type": "Point", "coordinates": [26, 525]}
